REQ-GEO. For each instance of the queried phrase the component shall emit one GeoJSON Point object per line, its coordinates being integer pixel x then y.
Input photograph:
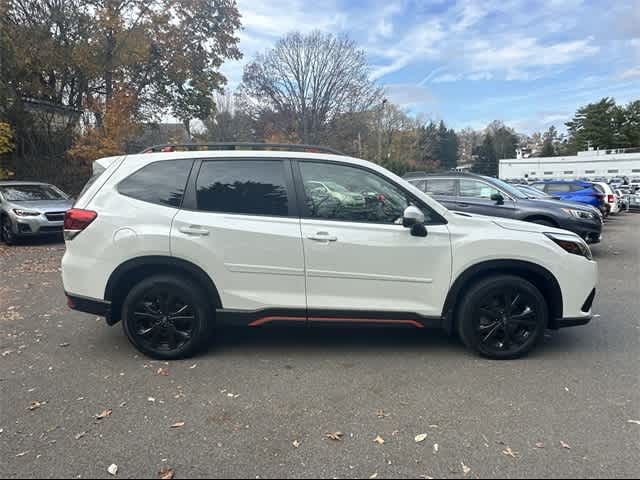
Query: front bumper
{"type": "Point", "coordinates": [589, 230]}
{"type": "Point", "coordinates": [34, 226]}
{"type": "Point", "coordinates": [585, 317]}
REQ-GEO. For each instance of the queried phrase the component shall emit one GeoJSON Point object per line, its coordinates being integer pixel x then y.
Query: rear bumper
{"type": "Point", "coordinates": [93, 306]}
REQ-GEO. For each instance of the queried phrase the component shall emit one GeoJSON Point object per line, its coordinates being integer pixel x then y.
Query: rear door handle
{"type": "Point", "coordinates": [323, 237]}
{"type": "Point", "coordinates": [195, 231]}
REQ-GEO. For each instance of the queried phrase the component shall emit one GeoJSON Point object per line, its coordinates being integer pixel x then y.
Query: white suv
{"type": "Point", "coordinates": [174, 244]}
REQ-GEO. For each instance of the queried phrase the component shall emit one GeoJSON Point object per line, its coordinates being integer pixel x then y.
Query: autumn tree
{"type": "Point", "coordinates": [307, 81]}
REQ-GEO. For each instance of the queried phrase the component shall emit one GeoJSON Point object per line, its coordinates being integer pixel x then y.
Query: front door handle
{"type": "Point", "coordinates": [323, 237]}
{"type": "Point", "coordinates": [195, 231]}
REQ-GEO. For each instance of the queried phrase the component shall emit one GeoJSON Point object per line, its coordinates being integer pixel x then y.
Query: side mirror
{"type": "Point", "coordinates": [412, 216]}
{"type": "Point", "coordinates": [499, 199]}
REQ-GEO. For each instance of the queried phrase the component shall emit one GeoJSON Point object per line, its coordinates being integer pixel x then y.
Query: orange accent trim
{"type": "Point", "coordinates": [263, 320]}
{"type": "Point", "coordinates": [367, 320]}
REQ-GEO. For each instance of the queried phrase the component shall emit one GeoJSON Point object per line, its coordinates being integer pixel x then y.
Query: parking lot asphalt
{"type": "Point", "coordinates": [571, 409]}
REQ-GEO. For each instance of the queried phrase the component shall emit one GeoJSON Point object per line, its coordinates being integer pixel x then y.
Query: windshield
{"type": "Point", "coordinates": [510, 189]}
{"type": "Point", "coordinates": [532, 192]}
{"type": "Point", "coordinates": [31, 193]}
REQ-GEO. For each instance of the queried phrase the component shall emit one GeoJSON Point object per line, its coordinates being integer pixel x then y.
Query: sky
{"type": "Point", "coordinates": [468, 62]}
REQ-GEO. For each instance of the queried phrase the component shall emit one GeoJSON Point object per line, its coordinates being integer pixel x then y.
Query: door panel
{"type": "Point", "coordinates": [256, 262]}
{"type": "Point", "coordinates": [243, 229]}
{"type": "Point", "coordinates": [358, 256]}
{"type": "Point", "coordinates": [376, 267]}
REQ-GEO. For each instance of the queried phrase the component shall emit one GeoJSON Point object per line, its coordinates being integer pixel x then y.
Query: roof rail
{"type": "Point", "coordinates": [195, 147]}
{"type": "Point", "coordinates": [440, 172]}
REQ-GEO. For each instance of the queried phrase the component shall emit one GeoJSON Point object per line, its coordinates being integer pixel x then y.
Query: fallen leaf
{"type": "Point", "coordinates": [466, 470]}
{"type": "Point", "coordinates": [436, 447]}
{"type": "Point", "coordinates": [178, 425]}
{"type": "Point", "coordinates": [539, 445]}
{"type": "Point", "coordinates": [565, 445]}
{"type": "Point", "coordinates": [637, 422]}
{"type": "Point", "coordinates": [113, 469]}
{"type": "Point", "coordinates": [163, 372]}
{"type": "Point", "coordinates": [165, 473]}
{"type": "Point", "coordinates": [22, 454]}
{"type": "Point", "coordinates": [296, 444]}
{"type": "Point", "coordinates": [375, 475]}
{"type": "Point", "coordinates": [80, 435]}
{"type": "Point", "coordinates": [510, 453]}
{"type": "Point", "coordinates": [36, 405]}
{"type": "Point", "coordinates": [193, 366]}
{"type": "Point", "coordinates": [335, 436]}
{"type": "Point", "coordinates": [104, 414]}
{"type": "Point", "coordinates": [421, 438]}
{"type": "Point", "coordinates": [151, 400]}
{"type": "Point", "coordinates": [426, 477]}
{"type": "Point", "coordinates": [64, 345]}
{"type": "Point", "coordinates": [381, 413]}
{"type": "Point", "coordinates": [379, 440]}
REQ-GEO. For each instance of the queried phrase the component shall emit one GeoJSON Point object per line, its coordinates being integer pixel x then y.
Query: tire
{"type": "Point", "coordinates": [6, 232]}
{"type": "Point", "coordinates": [502, 317]}
{"type": "Point", "coordinates": [168, 317]}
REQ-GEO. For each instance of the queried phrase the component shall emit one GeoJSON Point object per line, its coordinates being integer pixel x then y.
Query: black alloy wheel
{"type": "Point", "coordinates": [167, 317]}
{"type": "Point", "coordinates": [503, 317]}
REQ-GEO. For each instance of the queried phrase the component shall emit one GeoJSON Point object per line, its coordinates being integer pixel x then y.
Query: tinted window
{"type": "Point", "coordinates": [476, 189]}
{"type": "Point", "coordinates": [441, 187]}
{"type": "Point", "coordinates": [161, 182]}
{"type": "Point", "coordinates": [245, 187]}
{"type": "Point", "coordinates": [29, 193]}
{"type": "Point", "coordinates": [559, 187]}
{"type": "Point", "coordinates": [339, 192]}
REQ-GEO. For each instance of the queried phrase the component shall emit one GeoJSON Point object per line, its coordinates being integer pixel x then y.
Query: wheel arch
{"type": "Point", "coordinates": [539, 276]}
{"type": "Point", "coordinates": [546, 218]}
{"type": "Point", "coordinates": [127, 274]}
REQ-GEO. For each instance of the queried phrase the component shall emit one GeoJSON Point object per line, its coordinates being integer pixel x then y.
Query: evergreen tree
{"type": "Point", "coordinates": [486, 162]}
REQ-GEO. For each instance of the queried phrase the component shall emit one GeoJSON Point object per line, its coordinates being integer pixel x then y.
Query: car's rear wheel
{"type": "Point", "coordinates": [6, 231]}
{"type": "Point", "coordinates": [502, 317]}
{"type": "Point", "coordinates": [167, 317]}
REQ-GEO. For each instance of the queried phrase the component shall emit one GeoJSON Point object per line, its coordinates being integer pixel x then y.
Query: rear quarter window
{"type": "Point", "coordinates": [162, 183]}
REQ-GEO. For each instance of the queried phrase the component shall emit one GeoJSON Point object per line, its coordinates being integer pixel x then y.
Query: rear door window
{"type": "Point", "coordinates": [249, 187]}
{"type": "Point", "coordinates": [441, 186]}
{"type": "Point", "coordinates": [162, 183]}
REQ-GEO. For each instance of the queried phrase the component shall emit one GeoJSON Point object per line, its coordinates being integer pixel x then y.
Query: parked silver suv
{"type": "Point", "coordinates": [31, 209]}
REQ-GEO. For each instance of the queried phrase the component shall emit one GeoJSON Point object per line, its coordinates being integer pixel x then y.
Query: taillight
{"type": "Point", "coordinates": [76, 220]}
{"type": "Point", "coordinates": [611, 199]}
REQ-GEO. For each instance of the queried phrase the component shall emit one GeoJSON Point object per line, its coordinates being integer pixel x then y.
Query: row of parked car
{"type": "Point", "coordinates": [579, 206]}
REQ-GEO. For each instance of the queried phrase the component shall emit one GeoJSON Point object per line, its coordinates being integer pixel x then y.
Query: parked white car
{"type": "Point", "coordinates": [610, 199]}
{"type": "Point", "coordinates": [174, 244]}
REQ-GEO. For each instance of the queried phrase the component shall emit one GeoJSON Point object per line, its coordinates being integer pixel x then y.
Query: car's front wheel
{"type": "Point", "coordinates": [502, 317]}
{"type": "Point", "coordinates": [6, 231]}
{"type": "Point", "coordinates": [167, 317]}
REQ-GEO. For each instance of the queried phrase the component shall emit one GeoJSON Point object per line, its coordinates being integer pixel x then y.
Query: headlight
{"type": "Point", "coordinates": [25, 213]}
{"type": "Point", "coordinates": [579, 213]}
{"type": "Point", "coordinates": [572, 244]}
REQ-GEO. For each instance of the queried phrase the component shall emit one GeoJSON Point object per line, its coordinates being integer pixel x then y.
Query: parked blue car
{"type": "Point", "coordinates": [573, 191]}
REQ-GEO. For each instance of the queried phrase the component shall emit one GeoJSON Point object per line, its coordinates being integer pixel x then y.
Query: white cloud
{"type": "Point", "coordinates": [447, 77]}
{"type": "Point", "coordinates": [630, 73]}
{"type": "Point", "coordinates": [408, 94]}
{"type": "Point", "coordinates": [476, 76]}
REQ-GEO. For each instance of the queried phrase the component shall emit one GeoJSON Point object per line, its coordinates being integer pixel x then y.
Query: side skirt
{"type": "Point", "coordinates": [321, 317]}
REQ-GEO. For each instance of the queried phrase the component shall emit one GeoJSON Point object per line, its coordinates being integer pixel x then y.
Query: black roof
{"type": "Point", "coordinates": [186, 147]}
